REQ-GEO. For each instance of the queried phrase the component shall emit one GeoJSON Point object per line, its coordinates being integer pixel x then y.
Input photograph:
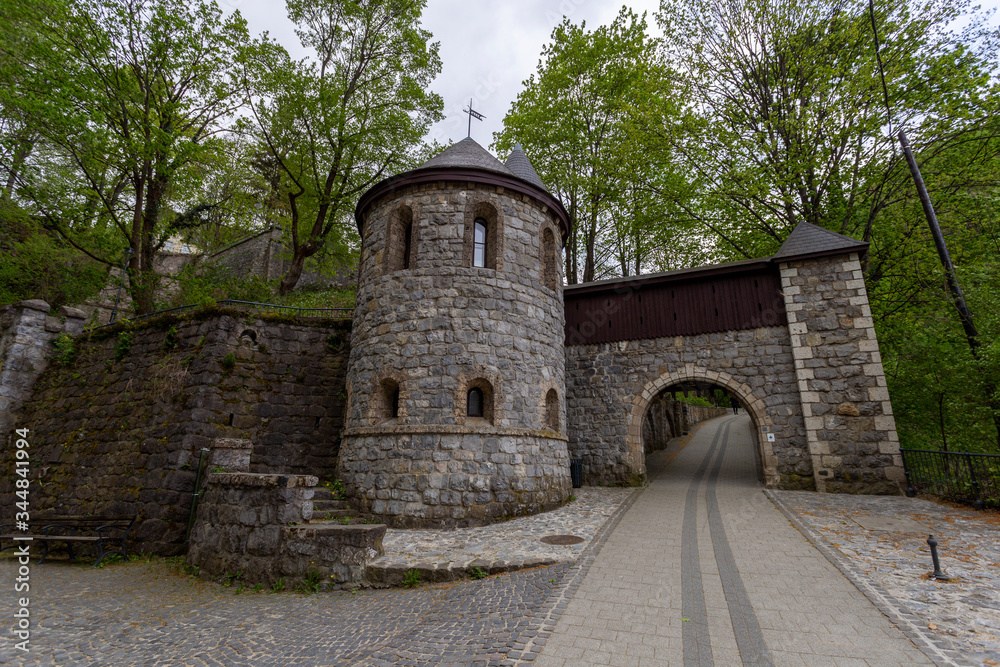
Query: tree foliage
{"type": "Point", "coordinates": [338, 122]}
{"type": "Point", "coordinates": [575, 118]}
{"type": "Point", "coordinates": [120, 99]}
{"type": "Point", "coordinates": [794, 117]}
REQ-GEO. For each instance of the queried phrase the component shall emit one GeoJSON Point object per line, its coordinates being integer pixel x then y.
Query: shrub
{"type": "Point", "coordinates": [411, 579]}
{"type": "Point", "coordinates": [310, 584]}
{"type": "Point", "coordinates": [64, 349]}
{"type": "Point", "coordinates": [170, 340]}
{"type": "Point", "coordinates": [37, 264]}
{"type": "Point", "coordinates": [123, 344]}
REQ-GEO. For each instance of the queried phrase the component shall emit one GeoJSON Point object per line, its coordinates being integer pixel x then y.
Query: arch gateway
{"type": "Point", "coordinates": [790, 336]}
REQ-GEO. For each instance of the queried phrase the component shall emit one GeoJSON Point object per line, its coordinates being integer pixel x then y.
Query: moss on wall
{"type": "Point", "coordinates": [119, 430]}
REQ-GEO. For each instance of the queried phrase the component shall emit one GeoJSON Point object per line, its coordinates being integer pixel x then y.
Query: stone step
{"type": "Point", "coordinates": [326, 505]}
{"type": "Point", "coordinates": [382, 573]}
{"type": "Point", "coordinates": [322, 493]}
{"type": "Point", "coordinates": [343, 518]}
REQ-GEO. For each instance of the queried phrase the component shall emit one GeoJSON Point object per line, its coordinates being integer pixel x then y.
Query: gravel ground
{"type": "Point", "coordinates": [963, 613]}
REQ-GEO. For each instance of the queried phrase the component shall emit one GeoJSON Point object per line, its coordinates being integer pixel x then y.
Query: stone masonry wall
{"type": "Point", "coordinates": [439, 322]}
{"type": "Point", "coordinates": [26, 332]}
{"type": "Point", "coordinates": [253, 256]}
{"type": "Point", "coordinates": [256, 527]}
{"type": "Point", "coordinates": [120, 429]}
{"type": "Point", "coordinates": [443, 477]}
{"type": "Point", "coordinates": [668, 418]}
{"type": "Point", "coordinates": [433, 330]}
{"type": "Point", "coordinates": [848, 417]}
{"type": "Point", "coordinates": [264, 255]}
{"type": "Point", "coordinates": [610, 386]}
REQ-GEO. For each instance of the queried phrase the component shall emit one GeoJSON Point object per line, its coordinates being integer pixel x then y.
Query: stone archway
{"type": "Point", "coordinates": [643, 396]}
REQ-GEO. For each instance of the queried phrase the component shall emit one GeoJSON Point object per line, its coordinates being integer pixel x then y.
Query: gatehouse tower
{"type": "Point", "coordinates": [456, 379]}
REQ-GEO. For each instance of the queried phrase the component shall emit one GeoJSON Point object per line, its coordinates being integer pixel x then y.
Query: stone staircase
{"type": "Point", "coordinates": [327, 509]}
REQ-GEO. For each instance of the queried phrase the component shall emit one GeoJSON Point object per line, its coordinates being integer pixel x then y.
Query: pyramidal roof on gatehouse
{"type": "Point", "coordinates": [809, 240]}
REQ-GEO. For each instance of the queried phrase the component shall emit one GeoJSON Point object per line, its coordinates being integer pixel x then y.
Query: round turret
{"type": "Point", "coordinates": [456, 391]}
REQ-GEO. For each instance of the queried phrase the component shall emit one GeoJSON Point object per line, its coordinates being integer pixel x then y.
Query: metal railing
{"type": "Point", "coordinates": [961, 476]}
{"type": "Point", "coordinates": [335, 313]}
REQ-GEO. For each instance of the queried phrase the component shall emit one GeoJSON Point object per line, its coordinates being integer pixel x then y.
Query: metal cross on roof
{"type": "Point", "coordinates": [472, 114]}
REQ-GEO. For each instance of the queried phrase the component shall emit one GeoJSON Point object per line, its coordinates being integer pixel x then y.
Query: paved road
{"type": "Point", "coordinates": [704, 570]}
{"type": "Point", "coordinates": [701, 543]}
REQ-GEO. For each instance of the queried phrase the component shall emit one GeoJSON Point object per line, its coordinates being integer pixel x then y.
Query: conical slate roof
{"type": "Point", "coordinates": [519, 163]}
{"type": "Point", "coordinates": [809, 240]}
{"type": "Point", "coordinates": [467, 161]}
{"type": "Point", "coordinates": [466, 154]}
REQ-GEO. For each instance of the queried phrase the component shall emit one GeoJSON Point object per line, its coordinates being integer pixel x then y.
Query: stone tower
{"type": "Point", "coordinates": [456, 389]}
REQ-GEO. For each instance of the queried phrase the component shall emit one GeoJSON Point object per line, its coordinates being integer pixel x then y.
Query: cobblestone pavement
{"type": "Point", "coordinates": [147, 613]}
{"type": "Point", "coordinates": [704, 569]}
{"type": "Point", "coordinates": [511, 542]}
{"type": "Point", "coordinates": [881, 543]}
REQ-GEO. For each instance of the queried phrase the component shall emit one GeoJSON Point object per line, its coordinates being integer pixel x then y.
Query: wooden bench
{"type": "Point", "coordinates": [110, 534]}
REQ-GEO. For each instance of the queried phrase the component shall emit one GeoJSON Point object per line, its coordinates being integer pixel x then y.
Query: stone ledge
{"type": "Point", "coordinates": [36, 304]}
{"type": "Point", "coordinates": [394, 575]}
{"type": "Point", "coordinates": [450, 429]}
{"type": "Point", "coordinates": [260, 480]}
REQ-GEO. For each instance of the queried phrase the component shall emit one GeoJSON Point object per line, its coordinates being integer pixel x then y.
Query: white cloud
{"type": "Point", "coordinates": [488, 48]}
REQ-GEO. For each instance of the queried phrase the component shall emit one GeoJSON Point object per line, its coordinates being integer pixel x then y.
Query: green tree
{"type": "Point", "coordinates": [343, 119]}
{"type": "Point", "coordinates": [124, 96]}
{"type": "Point", "coordinates": [794, 116]}
{"type": "Point", "coordinates": [574, 118]}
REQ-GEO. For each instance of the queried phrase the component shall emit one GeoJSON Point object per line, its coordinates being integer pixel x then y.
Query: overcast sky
{"type": "Point", "coordinates": [488, 48]}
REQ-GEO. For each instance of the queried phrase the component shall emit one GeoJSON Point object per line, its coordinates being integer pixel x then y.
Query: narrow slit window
{"type": "Point", "coordinates": [407, 238]}
{"type": "Point", "coordinates": [479, 243]}
{"type": "Point", "coordinates": [394, 404]}
{"type": "Point", "coordinates": [475, 402]}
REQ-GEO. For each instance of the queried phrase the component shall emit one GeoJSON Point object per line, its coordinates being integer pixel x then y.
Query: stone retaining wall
{"type": "Point", "coordinates": [26, 333]}
{"type": "Point", "coordinates": [255, 527]}
{"type": "Point", "coordinates": [697, 414]}
{"type": "Point", "coordinates": [121, 428]}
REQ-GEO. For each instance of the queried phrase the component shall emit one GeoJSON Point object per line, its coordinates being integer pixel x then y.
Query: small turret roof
{"type": "Point", "coordinates": [809, 240]}
{"type": "Point", "coordinates": [519, 163]}
{"type": "Point", "coordinates": [466, 154]}
{"type": "Point", "coordinates": [468, 162]}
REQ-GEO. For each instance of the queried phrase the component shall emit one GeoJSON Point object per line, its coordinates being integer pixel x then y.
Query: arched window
{"type": "Point", "coordinates": [475, 402]}
{"type": "Point", "coordinates": [483, 236]}
{"type": "Point", "coordinates": [479, 400]}
{"type": "Point", "coordinates": [394, 404]}
{"type": "Point", "coordinates": [399, 249]}
{"type": "Point", "coordinates": [479, 244]}
{"type": "Point", "coordinates": [552, 410]}
{"type": "Point", "coordinates": [550, 270]}
{"type": "Point", "coordinates": [407, 238]}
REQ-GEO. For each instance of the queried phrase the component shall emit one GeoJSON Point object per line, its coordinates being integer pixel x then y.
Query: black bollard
{"type": "Point", "coordinates": [937, 574]}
